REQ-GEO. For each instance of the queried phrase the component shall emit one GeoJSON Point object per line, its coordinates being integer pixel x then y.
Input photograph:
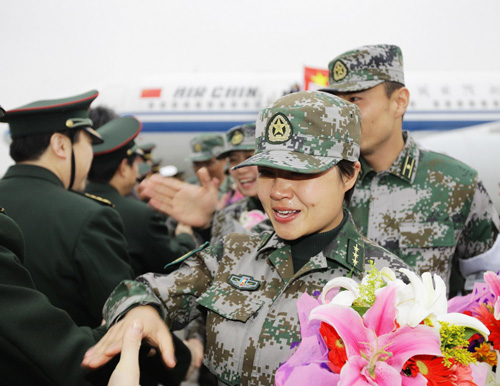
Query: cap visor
{"type": "Point", "coordinates": [352, 86]}
{"type": "Point", "coordinates": [291, 161]}
{"type": "Point", "coordinates": [225, 153]}
{"type": "Point", "coordinates": [96, 137]}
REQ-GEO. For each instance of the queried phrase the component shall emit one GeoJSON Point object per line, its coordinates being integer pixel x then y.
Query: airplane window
{"type": "Point", "coordinates": [245, 105]}
{"type": "Point", "coordinates": [234, 105]}
{"type": "Point", "coordinates": [436, 103]}
{"type": "Point", "coordinates": [222, 105]}
{"type": "Point", "coordinates": [198, 105]}
{"type": "Point", "coordinates": [209, 105]}
{"type": "Point", "coordinates": [412, 104]}
{"type": "Point", "coordinates": [162, 105]}
{"type": "Point", "coordinates": [151, 105]}
{"type": "Point", "coordinates": [484, 103]}
{"type": "Point", "coordinates": [459, 103]}
{"type": "Point", "coordinates": [257, 104]}
{"type": "Point", "coordinates": [186, 105]}
{"type": "Point", "coordinates": [448, 104]}
{"type": "Point", "coordinates": [174, 105]}
{"type": "Point", "coordinates": [471, 103]}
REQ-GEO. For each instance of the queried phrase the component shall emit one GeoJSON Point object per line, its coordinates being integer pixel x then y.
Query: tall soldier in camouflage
{"type": "Point", "coordinates": [429, 209]}
{"type": "Point", "coordinates": [307, 151]}
{"type": "Point", "coordinates": [75, 248]}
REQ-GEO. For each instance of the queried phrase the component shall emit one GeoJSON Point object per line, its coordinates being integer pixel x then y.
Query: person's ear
{"type": "Point", "coordinates": [59, 143]}
{"type": "Point", "coordinates": [122, 168]}
{"type": "Point", "coordinates": [349, 181]}
{"type": "Point", "coordinates": [401, 99]}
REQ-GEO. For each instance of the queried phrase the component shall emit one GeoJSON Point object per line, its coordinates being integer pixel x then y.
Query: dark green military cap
{"type": "Point", "coordinates": [147, 149]}
{"type": "Point", "coordinates": [205, 147]}
{"type": "Point", "coordinates": [365, 67]}
{"type": "Point", "coordinates": [118, 135]}
{"type": "Point", "coordinates": [2, 112]}
{"type": "Point", "coordinates": [306, 132]}
{"type": "Point", "coordinates": [49, 116]}
{"type": "Point", "coordinates": [239, 138]}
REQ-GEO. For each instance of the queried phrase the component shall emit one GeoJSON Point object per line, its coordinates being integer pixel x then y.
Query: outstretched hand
{"type": "Point", "coordinates": [127, 372]}
{"type": "Point", "coordinates": [190, 204]}
{"type": "Point", "coordinates": [155, 331]}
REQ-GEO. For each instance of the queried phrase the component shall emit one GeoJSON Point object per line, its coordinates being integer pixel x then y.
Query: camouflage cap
{"type": "Point", "coordinates": [306, 132]}
{"type": "Point", "coordinates": [365, 67]}
{"type": "Point", "coordinates": [239, 138]}
{"type": "Point", "coordinates": [205, 147]}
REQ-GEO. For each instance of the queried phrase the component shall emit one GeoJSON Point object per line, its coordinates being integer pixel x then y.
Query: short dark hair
{"type": "Point", "coordinates": [104, 168]}
{"type": "Point", "coordinates": [346, 168]}
{"type": "Point", "coordinates": [31, 148]}
{"type": "Point", "coordinates": [390, 87]}
{"type": "Point", "coordinates": [101, 115]}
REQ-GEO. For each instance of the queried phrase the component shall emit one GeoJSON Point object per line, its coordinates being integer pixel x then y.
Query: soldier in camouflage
{"type": "Point", "coordinates": [429, 209]}
{"type": "Point", "coordinates": [247, 214]}
{"type": "Point", "coordinates": [307, 148]}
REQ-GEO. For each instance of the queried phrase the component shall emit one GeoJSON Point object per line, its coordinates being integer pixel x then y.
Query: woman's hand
{"type": "Point", "coordinates": [155, 331]}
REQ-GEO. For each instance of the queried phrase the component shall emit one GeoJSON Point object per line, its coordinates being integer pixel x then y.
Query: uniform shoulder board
{"type": "Point", "coordinates": [189, 254]}
{"type": "Point", "coordinates": [99, 199]}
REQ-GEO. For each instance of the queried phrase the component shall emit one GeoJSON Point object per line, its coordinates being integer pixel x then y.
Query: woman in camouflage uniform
{"type": "Point", "coordinates": [245, 215]}
{"type": "Point", "coordinates": [307, 153]}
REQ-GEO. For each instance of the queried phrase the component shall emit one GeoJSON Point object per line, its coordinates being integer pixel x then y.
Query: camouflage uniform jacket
{"type": "Point", "coordinates": [427, 208]}
{"type": "Point", "coordinates": [247, 285]}
{"type": "Point", "coordinates": [235, 218]}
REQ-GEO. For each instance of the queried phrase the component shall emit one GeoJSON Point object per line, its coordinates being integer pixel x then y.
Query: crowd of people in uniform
{"type": "Point", "coordinates": [323, 184]}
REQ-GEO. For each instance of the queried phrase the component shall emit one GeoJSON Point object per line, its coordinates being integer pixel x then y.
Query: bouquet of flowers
{"type": "Point", "coordinates": [483, 304]}
{"type": "Point", "coordinates": [384, 332]}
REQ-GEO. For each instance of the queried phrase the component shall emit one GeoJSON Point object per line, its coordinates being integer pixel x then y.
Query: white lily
{"type": "Point", "coordinates": [351, 287]}
{"type": "Point", "coordinates": [422, 299]}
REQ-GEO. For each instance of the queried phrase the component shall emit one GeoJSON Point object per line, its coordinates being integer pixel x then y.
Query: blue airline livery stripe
{"type": "Point", "coordinates": [222, 126]}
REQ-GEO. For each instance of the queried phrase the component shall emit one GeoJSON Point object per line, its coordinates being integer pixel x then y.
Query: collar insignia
{"type": "Point", "coordinates": [278, 129]}
{"type": "Point", "coordinates": [407, 168]}
{"type": "Point", "coordinates": [339, 71]}
{"type": "Point", "coordinates": [243, 282]}
{"type": "Point", "coordinates": [237, 138]}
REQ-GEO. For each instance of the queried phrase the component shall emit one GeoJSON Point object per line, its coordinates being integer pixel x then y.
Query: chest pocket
{"type": "Point", "coordinates": [229, 302]}
{"type": "Point", "coordinates": [427, 235]}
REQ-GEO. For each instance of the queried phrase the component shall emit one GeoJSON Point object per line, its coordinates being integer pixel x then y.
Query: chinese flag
{"type": "Point", "coordinates": [151, 93]}
{"type": "Point", "coordinates": [315, 78]}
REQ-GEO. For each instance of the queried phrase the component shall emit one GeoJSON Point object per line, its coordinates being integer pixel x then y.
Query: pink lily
{"type": "Point", "coordinates": [493, 281]}
{"type": "Point", "coordinates": [376, 348]}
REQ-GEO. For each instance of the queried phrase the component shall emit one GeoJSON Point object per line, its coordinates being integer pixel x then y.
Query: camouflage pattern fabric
{"type": "Point", "coordinates": [239, 138]}
{"type": "Point", "coordinates": [247, 285]}
{"type": "Point", "coordinates": [205, 147]}
{"type": "Point", "coordinates": [427, 208]}
{"type": "Point", "coordinates": [306, 132]}
{"type": "Point", "coordinates": [365, 67]}
{"type": "Point", "coordinates": [233, 219]}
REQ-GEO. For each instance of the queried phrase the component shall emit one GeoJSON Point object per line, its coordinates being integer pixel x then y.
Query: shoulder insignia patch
{"type": "Point", "coordinates": [99, 199]}
{"type": "Point", "coordinates": [189, 254]}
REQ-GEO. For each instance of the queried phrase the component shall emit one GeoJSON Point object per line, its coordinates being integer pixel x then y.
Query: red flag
{"type": "Point", "coordinates": [151, 93]}
{"type": "Point", "coordinates": [315, 78]}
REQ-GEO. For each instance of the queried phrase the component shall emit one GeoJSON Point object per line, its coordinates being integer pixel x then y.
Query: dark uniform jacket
{"type": "Point", "coordinates": [75, 248]}
{"type": "Point", "coordinates": [39, 343]}
{"type": "Point", "coordinates": [149, 246]}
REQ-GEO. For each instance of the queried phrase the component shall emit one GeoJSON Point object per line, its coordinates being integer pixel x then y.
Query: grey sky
{"type": "Point", "coordinates": [55, 48]}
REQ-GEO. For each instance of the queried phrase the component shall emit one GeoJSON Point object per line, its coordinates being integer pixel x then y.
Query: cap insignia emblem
{"type": "Point", "coordinates": [69, 123]}
{"type": "Point", "coordinates": [197, 148]}
{"type": "Point", "coordinates": [237, 138]}
{"type": "Point", "coordinates": [279, 129]}
{"type": "Point", "coordinates": [339, 71]}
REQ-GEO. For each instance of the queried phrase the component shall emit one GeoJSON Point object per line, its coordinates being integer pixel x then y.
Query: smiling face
{"type": "Point", "coordinates": [244, 178]}
{"type": "Point", "coordinates": [301, 204]}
